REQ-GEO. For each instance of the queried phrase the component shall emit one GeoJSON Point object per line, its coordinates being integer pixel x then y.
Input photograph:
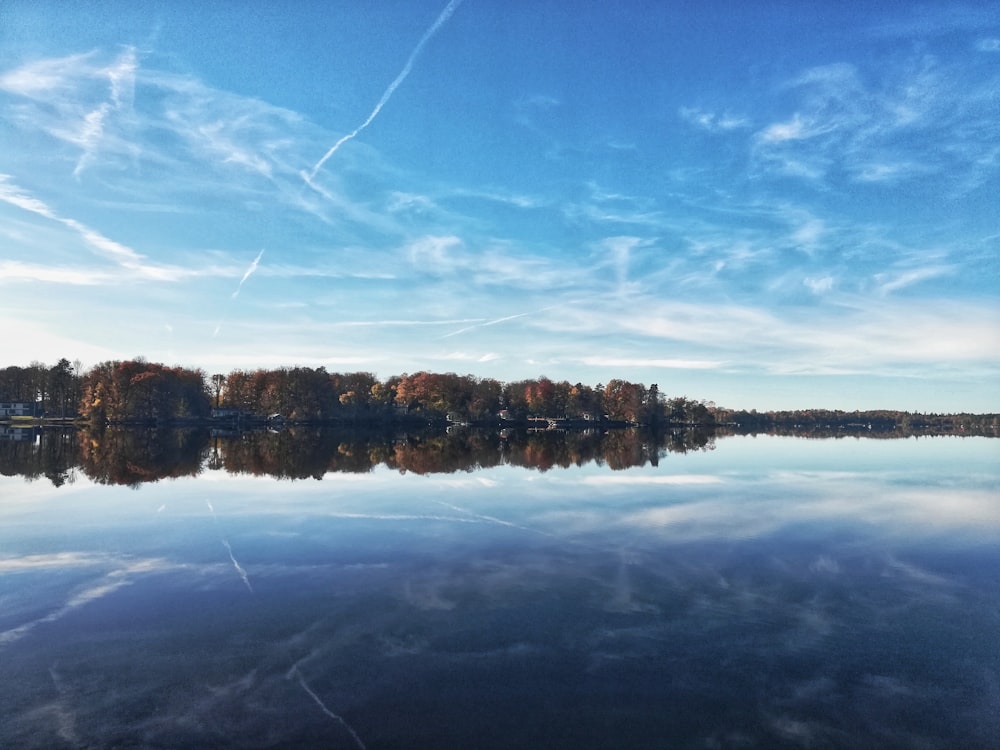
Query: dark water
{"type": "Point", "coordinates": [771, 593]}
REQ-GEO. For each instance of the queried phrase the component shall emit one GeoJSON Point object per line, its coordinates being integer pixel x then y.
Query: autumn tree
{"type": "Point", "coordinates": [141, 390]}
{"type": "Point", "coordinates": [624, 401]}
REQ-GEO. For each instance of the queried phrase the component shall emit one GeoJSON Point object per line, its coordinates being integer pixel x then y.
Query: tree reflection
{"type": "Point", "coordinates": [24, 452]}
{"type": "Point", "coordinates": [118, 455]}
{"type": "Point", "coordinates": [131, 457]}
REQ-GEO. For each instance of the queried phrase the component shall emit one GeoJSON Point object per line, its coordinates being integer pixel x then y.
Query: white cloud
{"type": "Point", "coordinates": [713, 122]}
{"type": "Point", "coordinates": [12, 270]}
{"type": "Point", "coordinates": [794, 129]}
{"type": "Point", "coordinates": [652, 362]}
{"type": "Point", "coordinates": [809, 232]}
{"type": "Point", "coordinates": [891, 282]}
{"type": "Point", "coordinates": [75, 97]}
{"type": "Point", "coordinates": [472, 357]}
{"type": "Point", "coordinates": [887, 172]}
{"type": "Point", "coordinates": [124, 257]}
{"type": "Point", "coordinates": [436, 254]}
{"type": "Point", "coordinates": [851, 334]}
{"type": "Point", "coordinates": [820, 285]}
{"type": "Point", "coordinates": [48, 76]}
{"type": "Point", "coordinates": [914, 117]}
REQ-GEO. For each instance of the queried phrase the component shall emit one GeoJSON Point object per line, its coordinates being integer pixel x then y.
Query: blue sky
{"type": "Point", "coordinates": [769, 205]}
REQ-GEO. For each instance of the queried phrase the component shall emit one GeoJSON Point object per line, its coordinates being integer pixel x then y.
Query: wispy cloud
{"type": "Point", "coordinates": [12, 270]}
{"type": "Point", "coordinates": [123, 256]}
{"type": "Point", "coordinates": [911, 118]}
{"type": "Point", "coordinates": [75, 97]}
{"type": "Point", "coordinates": [820, 285]}
{"type": "Point", "coordinates": [712, 121]}
{"type": "Point", "coordinates": [652, 363]}
{"type": "Point", "coordinates": [121, 80]}
{"type": "Point", "coordinates": [45, 76]}
{"type": "Point", "coordinates": [891, 282]}
{"type": "Point", "coordinates": [855, 335]}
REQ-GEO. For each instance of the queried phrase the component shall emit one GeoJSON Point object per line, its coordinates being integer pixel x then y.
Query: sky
{"type": "Point", "coordinates": [766, 205]}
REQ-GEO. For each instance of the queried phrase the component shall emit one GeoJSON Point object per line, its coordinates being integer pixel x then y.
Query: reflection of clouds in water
{"type": "Point", "coordinates": [319, 702]}
{"type": "Point", "coordinates": [759, 510]}
{"type": "Point", "coordinates": [623, 594]}
{"type": "Point", "coordinates": [427, 595]}
{"type": "Point", "coordinates": [824, 564]}
{"type": "Point", "coordinates": [607, 480]}
{"type": "Point", "coordinates": [240, 571]}
{"type": "Point", "coordinates": [104, 586]}
{"type": "Point", "coordinates": [901, 569]}
{"type": "Point", "coordinates": [787, 609]}
{"type": "Point", "coordinates": [789, 630]}
{"type": "Point", "coordinates": [493, 519]}
{"type": "Point", "coordinates": [239, 568]}
{"type": "Point", "coordinates": [402, 517]}
{"type": "Point", "coordinates": [53, 560]}
{"type": "Point", "coordinates": [61, 710]}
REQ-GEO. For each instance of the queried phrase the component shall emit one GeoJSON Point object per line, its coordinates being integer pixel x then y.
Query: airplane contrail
{"type": "Point", "coordinates": [487, 323]}
{"type": "Point", "coordinates": [445, 15]}
{"type": "Point", "coordinates": [248, 273]}
{"type": "Point", "coordinates": [504, 319]}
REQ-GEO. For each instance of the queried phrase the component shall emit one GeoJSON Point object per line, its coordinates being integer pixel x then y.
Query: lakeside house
{"type": "Point", "coordinates": [220, 413]}
{"type": "Point", "coordinates": [9, 409]}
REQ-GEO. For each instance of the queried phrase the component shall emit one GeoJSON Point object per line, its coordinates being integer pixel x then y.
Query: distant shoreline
{"type": "Point", "coordinates": [141, 393]}
{"type": "Point", "coordinates": [879, 427]}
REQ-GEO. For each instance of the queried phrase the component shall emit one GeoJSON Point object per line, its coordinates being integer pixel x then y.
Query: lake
{"type": "Point", "coordinates": [746, 592]}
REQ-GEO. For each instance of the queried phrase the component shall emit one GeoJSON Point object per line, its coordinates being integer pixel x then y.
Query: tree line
{"type": "Point", "coordinates": [140, 391]}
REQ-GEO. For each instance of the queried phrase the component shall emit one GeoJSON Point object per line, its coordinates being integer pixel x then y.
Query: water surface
{"type": "Point", "coordinates": [772, 592]}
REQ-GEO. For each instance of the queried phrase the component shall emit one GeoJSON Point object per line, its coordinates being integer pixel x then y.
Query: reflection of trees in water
{"type": "Point", "coordinates": [33, 453]}
{"type": "Point", "coordinates": [297, 453]}
{"type": "Point", "coordinates": [131, 457]}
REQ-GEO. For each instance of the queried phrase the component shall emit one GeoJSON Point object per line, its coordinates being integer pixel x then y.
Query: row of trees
{"type": "Point", "coordinates": [825, 422]}
{"type": "Point", "coordinates": [308, 394]}
{"type": "Point", "coordinates": [55, 389]}
{"type": "Point", "coordinates": [138, 390]}
{"type": "Point", "coordinates": [141, 390]}
{"type": "Point", "coordinates": [112, 390]}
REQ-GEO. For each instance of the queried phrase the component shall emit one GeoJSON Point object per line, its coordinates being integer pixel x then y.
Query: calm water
{"type": "Point", "coordinates": [771, 593]}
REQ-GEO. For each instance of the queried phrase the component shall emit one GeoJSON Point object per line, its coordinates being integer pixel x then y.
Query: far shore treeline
{"type": "Point", "coordinates": [142, 392]}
